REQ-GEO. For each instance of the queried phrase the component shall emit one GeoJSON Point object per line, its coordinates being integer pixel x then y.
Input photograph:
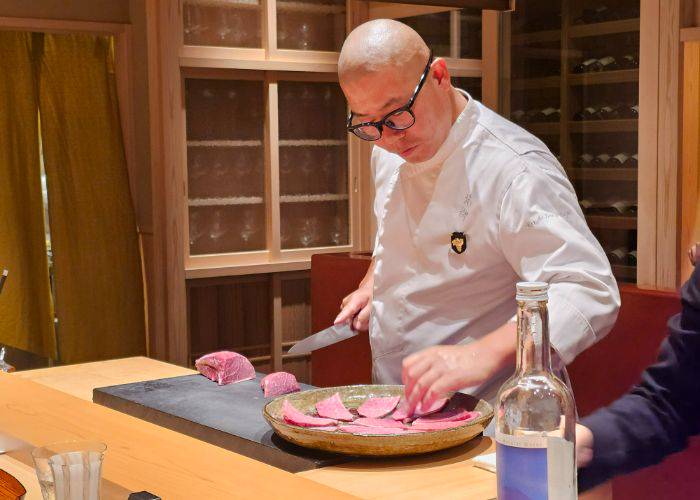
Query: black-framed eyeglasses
{"type": "Point", "coordinates": [399, 119]}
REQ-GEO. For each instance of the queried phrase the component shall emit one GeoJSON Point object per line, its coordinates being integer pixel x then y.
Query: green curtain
{"type": "Point", "coordinates": [97, 268]}
{"type": "Point", "coordinates": [25, 302]}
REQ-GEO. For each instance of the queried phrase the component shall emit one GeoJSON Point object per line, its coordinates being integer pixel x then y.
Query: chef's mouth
{"type": "Point", "coordinates": [408, 151]}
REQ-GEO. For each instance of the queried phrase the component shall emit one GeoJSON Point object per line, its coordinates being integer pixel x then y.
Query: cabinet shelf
{"type": "Point", "coordinates": [604, 174]}
{"type": "Point", "coordinates": [225, 201]}
{"type": "Point", "coordinates": [312, 198]}
{"type": "Point", "coordinates": [236, 4]}
{"type": "Point", "coordinates": [310, 7]}
{"type": "Point", "coordinates": [225, 143]}
{"type": "Point", "coordinates": [544, 82]}
{"type": "Point", "coordinates": [536, 37]}
{"type": "Point", "coordinates": [603, 126]}
{"type": "Point", "coordinates": [605, 77]}
{"type": "Point", "coordinates": [627, 222]}
{"type": "Point", "coordinates": [312, 142]}
{"type": "Point", "coordinates": [544, 128]}
{"type": "Point", "coordinates": [604, 28]}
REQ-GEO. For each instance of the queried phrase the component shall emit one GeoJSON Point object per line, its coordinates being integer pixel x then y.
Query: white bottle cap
{"type": "Point", "coordinates": [531, 290]}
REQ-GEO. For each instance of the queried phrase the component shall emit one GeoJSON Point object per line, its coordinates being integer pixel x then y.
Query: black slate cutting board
{"type": "Point", "coordinates": [229, 416]}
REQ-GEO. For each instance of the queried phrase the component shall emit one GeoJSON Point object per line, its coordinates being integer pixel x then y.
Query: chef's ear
{"type": "Point", "coordinates": [440, 72]}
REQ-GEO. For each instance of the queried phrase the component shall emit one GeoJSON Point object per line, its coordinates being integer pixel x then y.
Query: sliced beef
{"type": "Point", "coordinates": [293, 416]}
{"type": "Point", "coordinates": [401, 412]}
{"type": "Point", "coordinates": [378, 407]}
{"type": "Point", "coordinates": [225, 367]}
{"type": "Point", "coordinates": [368, 431]}
{"type": "Point", "coordinates": [278, 383]}
{"type": "Point", "coordinates": [452, 415]}
{"type": "Point", "coordinates": [333, 407]}
{"type": "Point", "coordinates": [379, 422]}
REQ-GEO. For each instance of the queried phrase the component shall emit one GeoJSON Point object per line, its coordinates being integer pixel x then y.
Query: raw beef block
{"type": "Point", "coordinates": [333, 407]}
{"type": "Point", "coordinates": [367, 431]}
{"type": "Point", "coordinates": [378, 407]}
{"type": "Point", "coordinates": [379, 422]}
{"type": "Point", "coordinates": [453, 415]}
{"type": "Point", "coordinates": [278, 383]}
{"type": "Point", "coordinates": [224, 367]}
{"type": "Point", "coordinates": [401, 412]}
{"type": "Point", "coordinates": [437, 426]}
{"type": "Point", "coordinates": [293, 416]}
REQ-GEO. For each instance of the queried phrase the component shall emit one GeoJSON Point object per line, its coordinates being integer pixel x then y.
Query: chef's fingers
{"type": "Point", "coordinates": [362, 318]}
{"type": "Point", "coordinates": [444, 387]}
{"type": "Point", "coordinates": [423, 390]}
{"type": "Point", "coordinates": [413, 367]}
{"type": "Point", "coordinates": [350, 309]}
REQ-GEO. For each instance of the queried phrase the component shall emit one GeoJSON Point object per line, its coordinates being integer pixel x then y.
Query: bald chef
{"type": "Point", "coordinates": [467, 204]}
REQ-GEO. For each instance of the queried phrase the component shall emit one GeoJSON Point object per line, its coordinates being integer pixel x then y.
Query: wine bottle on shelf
{"type": "Point", "coordinates": [632, 257]}
{"type": "Point", "coordinates": [617, 255]}
{"type": "Point", "coordinates": [617, 161]}
{"type": "Point", "coordinates": [587, 205]}
{"type": "Point", "coordinates": [550, 114]}
{"type": "Point", "coordinates": [623, 207]}
{"type": "Point", "coordinates": [518, 115]}
{"type": "Point", "coordinates": [585, 160]}
{"type": "Point", "coordinates": [594, 15]}
{"type": "Point", "coordinates": [533, 115]}
{"type": "Point", "coordinates": [631, 161]}
{"type": "Point", "coordinates": [587, 113]}
{"type": "Point", "coordinates": [629, 61]}
{"type": "Point", "coordinates": [600, 160]}
{"type": "Point", "coordinates": [608, 63]}
{"type": "Point", "coordinates": [628, 111]}
{"type": "Point", "coordinates": [607, 112]}
{"type": "Point", "coordinates": [588, 66]}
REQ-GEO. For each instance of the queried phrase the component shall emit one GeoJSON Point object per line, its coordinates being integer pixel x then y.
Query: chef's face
{"type": "Point", "coordinates": [372, 95]}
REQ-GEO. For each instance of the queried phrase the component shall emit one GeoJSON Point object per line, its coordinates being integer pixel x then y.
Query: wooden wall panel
{"type": "Point", "coordinates": [296, 309]}
{"type": "Point", "coordinates": [690, 147]}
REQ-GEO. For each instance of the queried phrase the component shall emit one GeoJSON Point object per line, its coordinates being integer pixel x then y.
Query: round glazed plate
{"type": "Point", "coordinates": [372, 445]}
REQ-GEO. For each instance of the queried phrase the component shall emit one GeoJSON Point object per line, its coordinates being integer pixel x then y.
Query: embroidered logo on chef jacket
{"type": "Point", "coordinates": [458, 242]}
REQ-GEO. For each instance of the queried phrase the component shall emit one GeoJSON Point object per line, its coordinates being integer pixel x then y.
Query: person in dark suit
{"type": "Point", "coordinates": [657, 417]}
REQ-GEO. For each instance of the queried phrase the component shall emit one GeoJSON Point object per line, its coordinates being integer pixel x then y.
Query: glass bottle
{"type": "Point", "coordinates": [535, 413]}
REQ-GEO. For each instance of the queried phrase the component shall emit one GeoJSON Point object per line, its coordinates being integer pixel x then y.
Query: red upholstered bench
{"type": "Point", "coordinates": [599, 375]}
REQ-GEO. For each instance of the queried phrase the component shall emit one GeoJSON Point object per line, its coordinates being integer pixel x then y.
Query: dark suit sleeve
{"type": "Point", "coordinates": [657, 417]}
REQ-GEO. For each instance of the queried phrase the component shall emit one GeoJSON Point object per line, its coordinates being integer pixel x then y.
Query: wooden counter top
{"type": "Point", "coordinates": [54, 404]}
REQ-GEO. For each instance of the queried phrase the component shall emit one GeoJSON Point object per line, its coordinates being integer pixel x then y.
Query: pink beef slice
{"type": "Point", "coordinates": [225, 367]}
{"type": "Point", "coordinates": [453, 415]}
{"type": "Point", "coordinates": [363, 430]}
{"type": "Point", "coordinates": [379, 422]}
{"type": "Point", "coordinates": [333, 407]}
{"type": "Point", "coordinates": [401, 412]}
{"type": "Point", "coordinates": [378, 407]}
{"type": "Point", "coordinates": [293, 416]}
{"type": "Point", "coordinates": [278, 383]}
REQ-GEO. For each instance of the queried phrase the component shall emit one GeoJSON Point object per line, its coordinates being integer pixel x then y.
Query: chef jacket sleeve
{"type": "Point", "coordinates": [544, 236]}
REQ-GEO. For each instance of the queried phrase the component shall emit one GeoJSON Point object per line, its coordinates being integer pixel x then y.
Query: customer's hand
{"type": "Point", "coordinates": [584, 445]}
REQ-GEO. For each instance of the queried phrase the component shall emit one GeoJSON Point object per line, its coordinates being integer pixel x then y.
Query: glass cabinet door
{"type": "Point", "coordinates": [225, 165]}
{"type": "Point", "coordinates": [575, 84]}
{"type": "Point", "coordinates": [223, 23]}
{"type": "Point", "coordinates": [311, 25]}
{"type": "Point", "coordinates": [313, 165]}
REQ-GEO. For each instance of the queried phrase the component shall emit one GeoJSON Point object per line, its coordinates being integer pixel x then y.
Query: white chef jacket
{"type": "Point", "coordinates": [502, 188]}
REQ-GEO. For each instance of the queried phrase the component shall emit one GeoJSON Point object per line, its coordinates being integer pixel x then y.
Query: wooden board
{"type": "Point", "coordinates": [228, 416]}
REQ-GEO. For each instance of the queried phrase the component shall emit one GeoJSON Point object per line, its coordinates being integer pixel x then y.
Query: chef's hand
{"type": "Point", "coordinates": [584, 445]}
{"type": "Point", "coordinates": [437, 372]}
{"type": "Point", "coordinates": [355, 308]}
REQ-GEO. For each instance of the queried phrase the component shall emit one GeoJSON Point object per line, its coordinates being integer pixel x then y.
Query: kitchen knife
{"type": "Point", "coordinates": [331, 335]}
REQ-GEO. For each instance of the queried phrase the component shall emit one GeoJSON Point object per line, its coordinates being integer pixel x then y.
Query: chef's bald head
{"type": "Point", "coordinates": [379, 68]}
{"type": "Point", "coordinates": [379, 45]}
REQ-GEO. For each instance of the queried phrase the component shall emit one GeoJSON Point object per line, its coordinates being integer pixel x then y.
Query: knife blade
{"type": "Point", "coordinates": [324, 338]}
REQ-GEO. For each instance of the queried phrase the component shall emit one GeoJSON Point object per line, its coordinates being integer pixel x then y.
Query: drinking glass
{"type": "Point", "coordinates": [70, 470]}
